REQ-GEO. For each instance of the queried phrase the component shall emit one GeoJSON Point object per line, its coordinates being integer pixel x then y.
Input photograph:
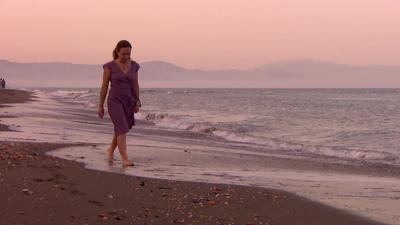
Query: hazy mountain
{"type": "Point", "coordinates": [291, 73]}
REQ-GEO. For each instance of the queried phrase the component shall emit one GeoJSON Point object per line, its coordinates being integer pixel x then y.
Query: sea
{"type": "Point", "coordinates": [337, 146]}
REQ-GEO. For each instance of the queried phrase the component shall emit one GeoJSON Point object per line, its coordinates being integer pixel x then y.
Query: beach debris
{"type": "Point", "coordinates": [197, 200]}
{"type": "Point", "coordinates": [142, 184]}
{"type": "Point", "coordinates": [211, 202]}
{"type": "Point", "coordinates": [162, 187]}
{"type": "Point", "coordinates": [177, 220]}
{"type": "Point", "coordinates": [43, 180]}
{"type": "Point", "coordinates": [111, 196]}
{"type": "Point", "coordinates": [277, 196]}
{"type": "Point", "coordinates": [227, 195]}
{"type": "Point", "coordinates": [9, 151]}
{"type": "Point", "coordinates": [20, 212]}
{"type": "Point", "coordinates": [96, 202]}
{"type": "Point", "coordinates": [103, 216]}
{"type": "Point", "coordinates": [113, 212]}
{"type": "Point", "coordinates": [215, 189]}
{"type": "Point", "coordinates": [27, 191]}
{"type": "Point", "coordinates": [118, 217]}
{"type": "Point", "coordinates": [205, 201]}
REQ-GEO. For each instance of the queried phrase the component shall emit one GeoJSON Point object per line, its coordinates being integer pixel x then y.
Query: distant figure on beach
{"type": "Point", "coordinates": [3, 83]}
{"type": "Point", "coordinates": [123, 99]}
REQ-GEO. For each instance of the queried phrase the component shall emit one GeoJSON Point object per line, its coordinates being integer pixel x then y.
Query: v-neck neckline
{"type": "Point", "coordinates": [121, 69]}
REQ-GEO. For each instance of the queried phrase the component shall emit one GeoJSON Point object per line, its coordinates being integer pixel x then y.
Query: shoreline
{"type": "Point", "coordinates": [50, 184]}
{"type": "Point", "coordinates": [8, 96]}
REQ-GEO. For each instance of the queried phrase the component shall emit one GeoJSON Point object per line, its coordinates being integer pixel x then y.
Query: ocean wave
{"type": "Point", "coordinates": [184, 123]}
{"type": "Point", "coordinates": [86, 97]}
{"type": "Point", "coordinates": [330, 151]}
{"type": "Point", "coordinates": [67, 94]}
{"type": "Point", "coordinates": [174, 121]}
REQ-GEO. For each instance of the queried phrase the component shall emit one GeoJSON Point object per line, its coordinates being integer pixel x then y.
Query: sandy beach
{"type": "Point", "coordinates": [41, 189]}
{"type": "Point", "coordinates": [12, 96]}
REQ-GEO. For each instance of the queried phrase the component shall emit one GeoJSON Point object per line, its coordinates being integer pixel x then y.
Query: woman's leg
{"type": "Point", "coordinates": [121, 142]}
{"type": "Point", "coordinates": [111, 149]}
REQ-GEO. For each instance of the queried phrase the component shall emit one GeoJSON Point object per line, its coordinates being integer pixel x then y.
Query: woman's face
{"type": "Point", "coordinates": [124, 53]}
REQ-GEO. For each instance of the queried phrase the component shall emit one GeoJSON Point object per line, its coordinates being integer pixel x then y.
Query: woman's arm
{"type": "Point", "coordinates": [135, 89]}
{"type": "Point", "coordinates": [104, 86]}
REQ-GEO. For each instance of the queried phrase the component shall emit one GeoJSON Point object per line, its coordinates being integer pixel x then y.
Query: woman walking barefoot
{"type": "Point", "coordinates": [123, 99]}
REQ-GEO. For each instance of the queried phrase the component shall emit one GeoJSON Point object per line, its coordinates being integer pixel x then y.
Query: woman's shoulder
{"type": "Point", "coordinates": [108, 64]}
{"type": "Point", "coordinates": [136, 64]}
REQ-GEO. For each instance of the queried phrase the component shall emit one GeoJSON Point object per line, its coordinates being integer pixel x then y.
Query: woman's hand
{"type": "Point", "coordinates": [135, 108]}
{"type": "Point", "coordinates": [136, 105]}
{"type": "Point", "coordinates": [100, 111]}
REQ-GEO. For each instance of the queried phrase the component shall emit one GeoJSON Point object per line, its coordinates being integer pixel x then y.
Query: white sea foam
{"type": "Point", "coordinates": [86, 97]}
{"type": "Point", "coordinates": [185, 123]}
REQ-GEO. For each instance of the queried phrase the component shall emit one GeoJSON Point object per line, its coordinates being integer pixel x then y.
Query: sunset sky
{"type": "Point", "coordinates": [206, 34]}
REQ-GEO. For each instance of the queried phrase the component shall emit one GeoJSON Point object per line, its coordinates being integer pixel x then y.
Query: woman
{"type": "Point", "coordinates": [123, 99]}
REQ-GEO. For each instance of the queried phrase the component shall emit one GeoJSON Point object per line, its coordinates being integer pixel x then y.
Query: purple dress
{"type": "Point", "coordinates": [120, 97]}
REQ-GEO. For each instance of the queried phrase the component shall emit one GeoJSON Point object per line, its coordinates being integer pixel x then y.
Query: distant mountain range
{"type": "Point", "coordinates": [297, 73]}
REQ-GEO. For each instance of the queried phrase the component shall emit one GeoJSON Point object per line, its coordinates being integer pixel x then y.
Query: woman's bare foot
{"type": "Point", "coordinates": [110, 154]}
{"type": "Point", "coordinates": [127, 163]}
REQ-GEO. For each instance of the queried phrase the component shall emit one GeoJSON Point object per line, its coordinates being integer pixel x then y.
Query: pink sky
{"type": "Point", "coordinates": [207, 34]}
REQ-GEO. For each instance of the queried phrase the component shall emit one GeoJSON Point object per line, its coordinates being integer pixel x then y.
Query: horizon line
{"type": "Point", "coordinates": [248, 68]}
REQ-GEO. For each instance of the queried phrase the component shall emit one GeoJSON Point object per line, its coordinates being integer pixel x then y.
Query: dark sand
{"type": "Point", "coordinates": [12, 96]}
{"type": "Point", "coordinates": [36, 188]}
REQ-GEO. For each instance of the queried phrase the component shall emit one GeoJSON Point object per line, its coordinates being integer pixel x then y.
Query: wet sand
{"type": "Point", "coordinates": [13, 96]}
{"type": "Point", "coordinates": [36, 188]}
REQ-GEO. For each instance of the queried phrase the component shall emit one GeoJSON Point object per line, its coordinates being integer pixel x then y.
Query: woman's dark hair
{"type": "Point", "coordinates": [120, 44]}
